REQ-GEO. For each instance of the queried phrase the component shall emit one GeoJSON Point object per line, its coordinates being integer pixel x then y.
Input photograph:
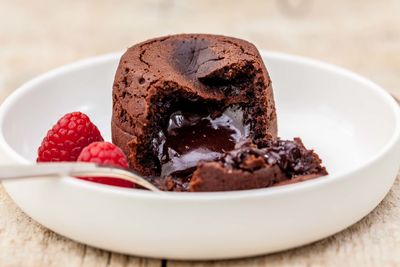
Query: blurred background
{"type": "Point", "coordinates": [362, 35]}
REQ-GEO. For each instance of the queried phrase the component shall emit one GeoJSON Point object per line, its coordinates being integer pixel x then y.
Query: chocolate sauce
{"type": "Point", "coordinates": [191, 137]}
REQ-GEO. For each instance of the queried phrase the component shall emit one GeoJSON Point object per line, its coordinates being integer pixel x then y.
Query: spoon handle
{"type": "Point", "coordinates": [12, 172]}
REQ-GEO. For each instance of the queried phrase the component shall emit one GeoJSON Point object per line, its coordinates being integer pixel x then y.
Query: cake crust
{"type": "Point", "coordinates": [155, 76]}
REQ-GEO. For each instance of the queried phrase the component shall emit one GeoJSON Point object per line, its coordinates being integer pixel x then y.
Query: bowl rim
{"type": "Point", "coordinates": [312, 184]}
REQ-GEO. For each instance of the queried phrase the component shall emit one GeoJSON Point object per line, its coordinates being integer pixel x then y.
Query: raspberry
{"type": "Point", "coordinates": [67, 138]}
{"type": "Point", "coordinates": [105, 153]}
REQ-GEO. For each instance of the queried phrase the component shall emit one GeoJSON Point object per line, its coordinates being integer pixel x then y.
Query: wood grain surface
{"type": "Point", "coordinates": [364, 36]}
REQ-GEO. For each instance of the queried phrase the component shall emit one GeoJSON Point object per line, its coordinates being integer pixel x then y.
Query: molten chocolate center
{"type": "Point", "coordinates": [191, 137]}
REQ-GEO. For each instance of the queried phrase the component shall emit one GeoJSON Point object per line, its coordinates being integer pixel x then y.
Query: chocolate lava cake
{"type": "Point", "coordinates": [195, 112]}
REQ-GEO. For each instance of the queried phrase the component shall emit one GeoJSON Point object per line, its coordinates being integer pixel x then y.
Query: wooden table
{"type": "Point", "coordinates": [364, 36]}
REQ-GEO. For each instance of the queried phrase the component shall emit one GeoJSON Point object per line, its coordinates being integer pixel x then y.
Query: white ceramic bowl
{"type": "Point", "coordinates": [351, 122]}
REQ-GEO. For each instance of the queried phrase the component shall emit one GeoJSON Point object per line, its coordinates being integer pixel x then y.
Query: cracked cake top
{"type": "Point", "coordinates": [206, 73]}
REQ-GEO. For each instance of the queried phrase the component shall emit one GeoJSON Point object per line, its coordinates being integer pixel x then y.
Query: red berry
{"type": "Point", "coordinates": [67, 138]}
{"type": "Point", "coordinates": [105, 153]}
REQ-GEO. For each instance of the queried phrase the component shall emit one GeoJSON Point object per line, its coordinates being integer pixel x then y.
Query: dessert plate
{"type": "Point", "coordinates": [352, 123]}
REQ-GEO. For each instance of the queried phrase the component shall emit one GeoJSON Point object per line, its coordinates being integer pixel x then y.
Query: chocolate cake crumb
{"type": "Point", "coordinates": [249, 167]}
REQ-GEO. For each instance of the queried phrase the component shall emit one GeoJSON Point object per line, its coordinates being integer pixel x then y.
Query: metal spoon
{"type": "Point", "coordinates": [60, 169]}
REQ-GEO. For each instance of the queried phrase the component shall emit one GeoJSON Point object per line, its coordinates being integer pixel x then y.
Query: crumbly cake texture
{"type": "Point", "coordinates": [162, 85]}
{"type": "Point", "coordinates": [274, 163]}
{"type": "Point", "coordinates": [155, 77]}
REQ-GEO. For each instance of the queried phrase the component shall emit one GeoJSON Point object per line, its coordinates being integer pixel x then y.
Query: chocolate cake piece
{"type": "Point", "coordinates": [181, 78]}
{"type": "Point", "coordinates": [195, 112]}
{"type": "Point", "coordinates": [248, 167]}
